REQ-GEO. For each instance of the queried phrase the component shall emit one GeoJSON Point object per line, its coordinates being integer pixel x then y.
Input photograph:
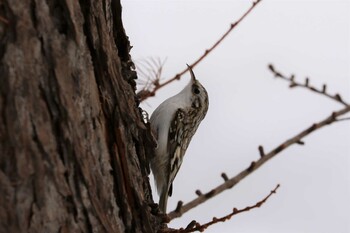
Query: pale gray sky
{"type": "Point", "coordinates": [249, 108]}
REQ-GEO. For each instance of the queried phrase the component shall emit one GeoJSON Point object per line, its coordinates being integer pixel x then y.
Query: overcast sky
{"type": "Point", "coordinates": [248, 107]}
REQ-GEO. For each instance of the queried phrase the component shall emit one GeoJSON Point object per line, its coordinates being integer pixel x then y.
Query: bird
{"type": "Point", "coordinates": [173, 124]}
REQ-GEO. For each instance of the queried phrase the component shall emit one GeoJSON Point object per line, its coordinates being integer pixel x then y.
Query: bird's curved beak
{"type": "Point", "coordinates": [192, 74]}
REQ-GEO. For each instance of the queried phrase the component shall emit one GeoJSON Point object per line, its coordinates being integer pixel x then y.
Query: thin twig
{"type": "Point", "coordinates": [306, 85]}
{"type": "Point", "coordinates": [144, 94]}
{"type": "Point", "coordinates": [149, 72]}
{"type": "Point", "coordinates": [344, 119]}
{"type": "Point", "coordinates": [256, 164]}
{"type": "Point", "coordinates": [195, 226]}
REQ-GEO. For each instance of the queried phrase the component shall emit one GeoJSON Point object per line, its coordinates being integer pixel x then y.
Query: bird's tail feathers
{"type": "Point", "coordinates": [163, 201]}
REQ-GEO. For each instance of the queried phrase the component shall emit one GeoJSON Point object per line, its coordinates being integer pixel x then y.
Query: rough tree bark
{"type": "Point", "coordinates": [72, 139]}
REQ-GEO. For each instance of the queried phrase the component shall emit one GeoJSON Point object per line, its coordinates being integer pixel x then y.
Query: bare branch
{"type": "Point", "coordinates": [195, 226]}
{"type": "Point", "coordinates": [144, 94]}
{"type": "Point", "coordinates": [297, 139]}
{"type": "Point", "coordinates": [306, 85]}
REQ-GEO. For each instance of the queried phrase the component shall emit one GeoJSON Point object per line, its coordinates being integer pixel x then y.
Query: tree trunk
{"type": "Point", "coordinates": [72, 139]}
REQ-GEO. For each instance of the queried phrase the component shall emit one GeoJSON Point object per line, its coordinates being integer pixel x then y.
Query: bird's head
{"type": "Point", "coordinates": [196, 94]}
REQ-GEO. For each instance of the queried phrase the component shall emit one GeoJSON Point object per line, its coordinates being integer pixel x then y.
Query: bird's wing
{"type": "Point", "coordinates": [175, 147]}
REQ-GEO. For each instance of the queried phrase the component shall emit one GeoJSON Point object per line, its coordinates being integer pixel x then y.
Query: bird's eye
{"type": "Point", "coordinates": [196, 90]}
